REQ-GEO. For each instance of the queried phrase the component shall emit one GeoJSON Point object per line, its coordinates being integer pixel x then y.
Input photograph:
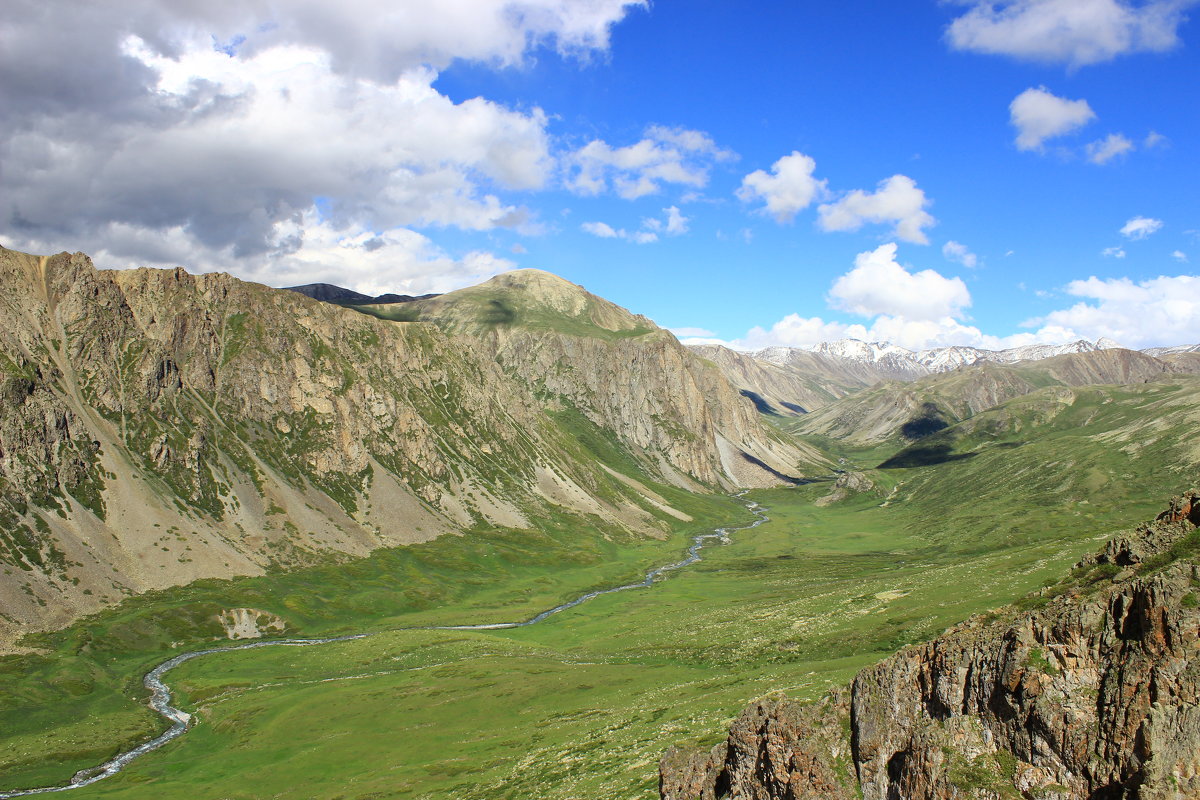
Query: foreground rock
{"type": "Point", "coordinates": [1092, 694]}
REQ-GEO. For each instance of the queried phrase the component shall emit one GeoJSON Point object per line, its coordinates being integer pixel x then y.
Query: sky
{"type": "Point", "coordinates": [926, 172]}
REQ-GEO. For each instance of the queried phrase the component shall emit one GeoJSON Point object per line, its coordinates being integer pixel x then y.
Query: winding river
{"type": "Point", "coordinates": [180, 721]}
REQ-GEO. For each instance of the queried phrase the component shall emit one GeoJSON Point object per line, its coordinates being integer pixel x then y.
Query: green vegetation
{"type": "Point", "coordinates": [579, 706]}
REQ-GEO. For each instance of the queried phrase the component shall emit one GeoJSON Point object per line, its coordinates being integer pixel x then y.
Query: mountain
{"type": "Point", "coordinates": [944, 359]}
{"type": "Point", "coordinates": [909, 411]}
{"type": "Point", "coordinates": [1086, 690]}
{"type": "Point", "coordinates": [328, 293]}
{"type": "Point", "coordinates": [161, 427]}
{"type": "Point", "coordinates": [876, 359]}
{"type": "Point", "coordinates": [1182, 348]}
{"type": "Point", "coordinates": [783, 380]}
{"type": "Point", "coordinates": [795, 385]}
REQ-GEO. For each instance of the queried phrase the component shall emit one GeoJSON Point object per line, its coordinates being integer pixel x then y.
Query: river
{"type": "Point", "coordinates": [180, 721]}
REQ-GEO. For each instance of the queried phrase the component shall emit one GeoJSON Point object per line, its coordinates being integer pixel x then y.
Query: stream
{"type": "Point", "coordinates": [180, 721]}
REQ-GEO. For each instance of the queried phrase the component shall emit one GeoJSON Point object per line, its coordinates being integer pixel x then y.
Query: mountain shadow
{"type": "Point", "coordinates": [759, 402]}
{"type": "Point", "coordinates": [923, 456]}
{"type": "Point", "coordinates": [928, 422]}
{"type": "Point", "coordinates": [792, 479]}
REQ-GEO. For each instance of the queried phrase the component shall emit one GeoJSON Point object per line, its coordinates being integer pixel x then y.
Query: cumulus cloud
{"type": "Point", "coordinates": [306, 249]}
{"type": "Point", "coordinates": [693, 334]}
{"type": "Point", "coordinates": [150, 143]}
{"type": "Point", "coordinates": [879, 285]}
{"type": "Point", "coordinates": [1160, 311]}
{"type": "Point", "coordinates": [1104, 150]}
{"type": "Point", "coordinates": [960, 253]}
{"type": "Point", "coordinates": [601, 229]}
{"type": "Point", "coordinates": [896, 201]}
{"type": "Point", "coordinates": [1141, 227]}
{"type": "Point", "coordinates": [1113, 252]}
{"type": "Point", "coordinates": [1180, 256]}
{"type": "Point", "coordinates": [673, 223]}
{"type": "Point", "coordinates": [796, 331]}
{"type": "Point", "coordinates": [1075, 32]}
{"type": "Point", "coordinates": [1038, 115]}
{"type": "Point", "coordinates": [787, 189]}
{"type": "Point", "coordinates": [663, 156]}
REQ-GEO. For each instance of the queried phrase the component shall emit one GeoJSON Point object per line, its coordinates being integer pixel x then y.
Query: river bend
{"type": "Point", "coordinates": [180, 721]}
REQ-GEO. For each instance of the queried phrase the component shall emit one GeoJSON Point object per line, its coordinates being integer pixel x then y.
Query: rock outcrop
{"type": "Point", "coordinates": [1092, 693]}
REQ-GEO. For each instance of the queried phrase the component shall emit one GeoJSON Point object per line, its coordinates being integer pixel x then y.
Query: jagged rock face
{"type": "Point", "coordinates": [1092, 700]}
{"type": "Point", "coordinates": [160, 427]}
{"type": "Point", "coordinates": [1095, 696]}
{"type": "Point", "coordinates": [776, 750]}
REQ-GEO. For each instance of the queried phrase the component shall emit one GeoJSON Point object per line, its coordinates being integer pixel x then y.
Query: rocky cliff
{"type": "Point", "coordinates": [159, 427]}
{"type": "Point", "coordinates": [1091, 692]}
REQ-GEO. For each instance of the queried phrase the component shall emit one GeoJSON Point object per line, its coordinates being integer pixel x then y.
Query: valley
{"type": "Point", "coordinates": [421, 480]}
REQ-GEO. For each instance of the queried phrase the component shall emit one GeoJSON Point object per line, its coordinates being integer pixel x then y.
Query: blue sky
{"type": "Point", "coordinates": [928, 172]}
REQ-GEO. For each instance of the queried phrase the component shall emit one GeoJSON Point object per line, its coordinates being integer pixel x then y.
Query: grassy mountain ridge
{"type": "Point", "coordinates": [882, 412]}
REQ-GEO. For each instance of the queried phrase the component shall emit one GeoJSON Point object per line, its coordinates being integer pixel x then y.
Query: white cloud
{"type": "Point", "coordinates": [896, 200]}
{"type": "Point", "coordinates": [1075, 32]}
{"type": "Point", "coordinates": [924, 310]}
{"type": "Point", "coordinates": [788, 189]}
{"type": "Point", "coordinates": [677, 223]}
{"type": "Point", "coordinates": [664, 156]}
{"type": "Point", "coordinates": [150, 141]}
{"type": "Point", "coordinates": [1141, 227]}
{"type": "Point", "coordinates": [1180, 256]}
{"type": "Point", "coordinates": [1104, 150]}
{"type": "Point", "coordinates": [1038, 115]}
{"type": "Point", "coordinates": [1154, 139]}
{"type": "Point", "coordinates": [879, 285]}
{"type": "Point", "coordinates": [227, 149]}
{"type": "Point", "coordinates": [601, 229]}
{"type": "Point", "coordinates": [673, 224]}
{"type": "Point", "coordinates": [956, 251]}
{"type": "Point", "coordinates": [1160, 311]}
{"type": "Point", "coordinates": [692, 333]}
{"type": "Point", "coordinates": [305, 249]}
{"type": "Point", "coordinates": [1113, 252]}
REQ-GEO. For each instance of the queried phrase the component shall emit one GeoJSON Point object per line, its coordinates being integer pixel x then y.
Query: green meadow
{"type": "Point", "coordinates": [583, 705]}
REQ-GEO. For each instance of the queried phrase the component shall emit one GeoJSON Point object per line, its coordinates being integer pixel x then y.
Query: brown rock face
{"type": "Point", "coordinates": [1095, 696]}
{"type": "Point", "coordinates": [775, 749]}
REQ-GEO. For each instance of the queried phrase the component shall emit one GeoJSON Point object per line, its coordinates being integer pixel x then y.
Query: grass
{"type": "Point", "coordinates": [581, 706]}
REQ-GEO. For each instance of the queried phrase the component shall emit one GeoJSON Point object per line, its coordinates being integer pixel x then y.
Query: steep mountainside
{"type": "Point", "coordinates": [1088, 690]}
{"type": "Point", "coordinates": [618, 369]}
{"type": "Point", "coordinates": [804, 382]}
{"type": "Point", "coordinates": [160, 427]}
{"type": "Point", "coordinates": [909, 411]}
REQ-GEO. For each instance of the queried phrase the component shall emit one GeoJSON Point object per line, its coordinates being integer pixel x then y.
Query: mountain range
{"type": "Point", "coordinates": [346, 463]}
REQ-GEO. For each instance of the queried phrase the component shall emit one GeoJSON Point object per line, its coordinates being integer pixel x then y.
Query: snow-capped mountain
{"type": "Point", "coordinates": [901, 362]}
{"type": "Point", "coordinates": [944, 359]}
{"type": "Point", "coordinates": [883, 359]}
{"type": "Point", "coordinates": [1165, 351]}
